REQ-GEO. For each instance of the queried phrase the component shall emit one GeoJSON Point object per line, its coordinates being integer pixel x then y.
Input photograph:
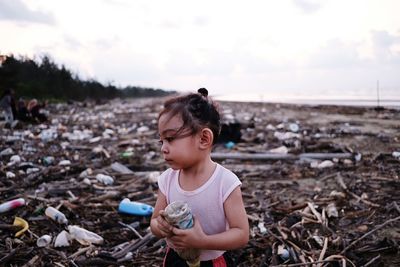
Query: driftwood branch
{"type": "Point", "coordinates": [370, 232]}
{"type": "Point", "coordinates": [339, 180]}
{"type": "Point", "coordinates": [277, 156]}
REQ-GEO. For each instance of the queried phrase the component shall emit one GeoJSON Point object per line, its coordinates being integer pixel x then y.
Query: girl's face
{"type": "Point", "coordinates": [178, 147]}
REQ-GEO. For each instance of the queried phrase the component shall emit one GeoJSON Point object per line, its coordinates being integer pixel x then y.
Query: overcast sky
{"type": "Point", "coordinates": [280, 47]}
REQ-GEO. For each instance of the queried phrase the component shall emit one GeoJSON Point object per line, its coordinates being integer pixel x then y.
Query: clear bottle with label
{"type": "Point", "coordinates": [56, 215]}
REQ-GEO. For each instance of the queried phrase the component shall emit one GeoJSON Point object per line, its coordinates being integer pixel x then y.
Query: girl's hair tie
{"type": "Point", "coordinates": [203, 92]}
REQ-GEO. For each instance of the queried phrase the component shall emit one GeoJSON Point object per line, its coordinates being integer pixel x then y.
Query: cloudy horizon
{"type": "Point", "coordinates": [281, 48]}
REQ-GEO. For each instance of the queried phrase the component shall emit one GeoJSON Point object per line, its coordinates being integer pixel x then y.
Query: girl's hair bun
{"type": "Point", "coordinates": [203, 92]}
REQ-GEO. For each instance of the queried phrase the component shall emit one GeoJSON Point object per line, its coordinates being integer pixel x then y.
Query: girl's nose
{"type": "Point", "coordinates": [164, 148]}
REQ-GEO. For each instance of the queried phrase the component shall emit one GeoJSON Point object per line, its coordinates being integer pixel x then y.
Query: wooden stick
{"type": "Point", "coordinates": [277, 156]}
{"type": "Point", "coordinates": [303, 264]}
{"type": "Point", "coordinates": [339, 180]}
{"type": "Point", "coordinates": [322, 255]}
{"type": "Point", "coordinates": [370, 232]}
{"type": "Point", "coordinates": [372, 261]}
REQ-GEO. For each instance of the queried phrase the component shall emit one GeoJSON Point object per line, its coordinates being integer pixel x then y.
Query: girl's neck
{"type": "Point", "coordinates": [195, 176]}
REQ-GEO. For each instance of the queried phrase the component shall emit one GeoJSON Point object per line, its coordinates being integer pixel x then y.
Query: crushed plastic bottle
{"type": "Point", "coordinates": [135, 208]}
{"type": "Point", "coordinates": [84, 236]}
{"type": "Point", "coordinates": [56, 215]}
{"type": "Point", "coordinates": [12, 204]}
{"type": "Point", "coordinates": [179, 214]}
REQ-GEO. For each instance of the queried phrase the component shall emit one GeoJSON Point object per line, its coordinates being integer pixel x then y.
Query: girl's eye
{"type": "Point", "coordinates": [169, 139]}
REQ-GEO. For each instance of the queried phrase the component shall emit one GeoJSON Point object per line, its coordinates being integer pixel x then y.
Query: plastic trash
{"type": "Point", "coordinates": [331, 210]}
{"type": "Point", "coordinates": [135, 208]}
{"type": "Point", "coordinates": [84, 236]}
{"type": "Point", "coordinates": [179, 214]}
{"type": "Point", "coordinates": [43, 241]}
{"type": "Point", "coordinates": [12, 204]}
{"type": "Point", "coordinates": [396, 154]}
{"type": "Point", "coordinates": [153, 176]}
{"type": "Point", "coordinates": [56, 215]}
{"type": "Point", "coordinates": [262, 228]}
{"type": "Point", "coordinates": [62, 239]}
{"type": "Point", "coordinates": [283, 252]}
{"type": "Point", "coordinates": [21, 222]}
{"type": "Point", "coordinates": [142, 129]}
{"type": "Point", "coordinates": [104, 179]}
{"type": "Point", "coordinates": [64, 163]}
{"type": "Point", "coordinates": [48, 160]}
{"type": "Point", "coordinates": [118, 167]}
{"type": "Point", "coordinates": [6, 152]}
{"type": "Point", "coordinates": [229, 145]}
{"type": "Point", "coordinates": [280, 150]}
{"type": "Point", "coordinates": [86, 173]}
{"type": "Point", "coordinates": [32, 170]}
{"type": "Point", "coordinates": [325, 164]}
{"type": "Point", "coordinates": [10, 175]}
{"type": "Point", "coordinates": [127, 154]}
{"type": "Point", "coordinates": [294, 127]}
{"type": "Point", "coordinates": [15, 159]}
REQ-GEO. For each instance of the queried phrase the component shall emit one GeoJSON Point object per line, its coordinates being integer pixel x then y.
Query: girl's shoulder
{"type": "Point", "coordinates": [168, 174]}
{"type": "Point", "coordinates": [227, 174]}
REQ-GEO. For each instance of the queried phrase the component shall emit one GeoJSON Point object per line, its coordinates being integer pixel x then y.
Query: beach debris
{"type": "Point", "coordinates": [135, 208]}
{"type": "Point", "coordinates": [43, 241]}
{"type": "Point", "coordinates": [12, 204]}
{"type": "Point", "coordinates": [84, 236]}
{"type": "Point", "coordinates": [22, 223]}
{"type": "Point", "coordinates": [56, 215]}
{"type": "Point", "coordinates": [345, 214]}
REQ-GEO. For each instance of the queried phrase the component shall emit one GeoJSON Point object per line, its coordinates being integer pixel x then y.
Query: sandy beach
{"type": "Point", "coordinates": [331, 195]}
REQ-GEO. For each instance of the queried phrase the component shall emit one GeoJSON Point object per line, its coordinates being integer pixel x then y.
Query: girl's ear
{"type": "Point", "coordinates": [206, 138]}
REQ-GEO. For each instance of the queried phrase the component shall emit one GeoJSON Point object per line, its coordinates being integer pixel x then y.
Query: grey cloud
{"type": "Point", "coordinates": [15, 10]}
{"type": "Point", "coordinates": [307, 6]}
{"type": "Point", "coordinates": [125, 68]}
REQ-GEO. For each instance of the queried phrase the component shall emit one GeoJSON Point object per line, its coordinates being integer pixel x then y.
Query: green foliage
{"type": "Point", "coordinates": [44, 79]}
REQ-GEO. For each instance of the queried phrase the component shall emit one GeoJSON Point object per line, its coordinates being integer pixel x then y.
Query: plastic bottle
{"type": "Point", "coordinates": [135, 208]}
{"type": "Point", "coordinates": [179, 214]}
{"type": "Point", "coordinates": [12, 204]}
{"type": "Point", "coordinates": [56, 215]}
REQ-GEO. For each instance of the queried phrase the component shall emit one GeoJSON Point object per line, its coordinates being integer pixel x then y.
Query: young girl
{"type": "Point", "coordinates": [188, 127]}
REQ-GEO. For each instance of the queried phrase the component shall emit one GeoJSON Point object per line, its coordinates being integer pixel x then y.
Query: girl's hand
{"type": "Point", "coordinates": [163, 226]}
{"type": "Point", "coordinates": [189, 238]}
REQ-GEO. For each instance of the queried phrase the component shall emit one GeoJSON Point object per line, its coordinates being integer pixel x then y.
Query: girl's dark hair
{"type": "Point", "coordinates": [198, 111]}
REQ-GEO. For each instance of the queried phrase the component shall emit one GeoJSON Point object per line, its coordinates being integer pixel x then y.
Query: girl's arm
{"type": "Point", "coordinates": [235, 237]}
{"type": "Point", "coordinates": [158, 225]}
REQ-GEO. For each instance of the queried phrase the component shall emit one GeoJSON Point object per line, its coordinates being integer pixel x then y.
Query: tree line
{"type": "Point", "coordinates": [44, 79]}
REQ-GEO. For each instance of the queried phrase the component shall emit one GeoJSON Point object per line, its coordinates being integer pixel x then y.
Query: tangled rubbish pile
{"type": "Point", "coordinates": [320, 185]}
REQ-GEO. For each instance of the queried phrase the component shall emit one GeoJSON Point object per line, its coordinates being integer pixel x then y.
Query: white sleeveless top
{"type": "Point", "coordinates": [206, 202]}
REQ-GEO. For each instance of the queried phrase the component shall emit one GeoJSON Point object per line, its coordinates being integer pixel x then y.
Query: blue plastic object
{"type": "Point", "coordinates": [230, 145]}
{"type": "Point", "coordinates": [135, 208]}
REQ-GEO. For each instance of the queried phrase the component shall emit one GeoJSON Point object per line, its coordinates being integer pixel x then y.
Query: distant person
{"type": "Point", "coordinates": [23, 113]}
{"type": "Point", "coordinates": [189, 126]}
{"type": "Point", "coordinates": [35, 109]}
{"type": "Point", "coordinates": [6, 104]}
